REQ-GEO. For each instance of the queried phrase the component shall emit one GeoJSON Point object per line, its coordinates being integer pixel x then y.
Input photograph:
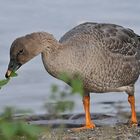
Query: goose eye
{"type": "Point", "coordinates": [21, 51]}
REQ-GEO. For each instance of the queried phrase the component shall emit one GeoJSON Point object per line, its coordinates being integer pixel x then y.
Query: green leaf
{"type": "Point", "coordinates": [64, 77]}
{"type": "Point", "coordinates": [54, 88]}
{"type": "Point", "coordinates": [13, 74]}
{"type": "Point", "coordinates": [8, 130]}
{"type": "Point", "coordinates": [63, 94]}
{"type": "Point", "coordinates": [62, 106]}
{"type": "Point", "coordinates": [4, 82]}
{"type": "Point", "coordinates": [30, 130]}
{"type": "Point", "coordinates": [77, 86]}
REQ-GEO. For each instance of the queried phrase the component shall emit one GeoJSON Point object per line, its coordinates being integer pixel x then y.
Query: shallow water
{"type": "Point", "coordinates": [31, 88]}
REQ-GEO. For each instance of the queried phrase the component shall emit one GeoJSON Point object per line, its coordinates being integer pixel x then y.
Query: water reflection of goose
{"type": "Point", "coordinates": [106, 56]}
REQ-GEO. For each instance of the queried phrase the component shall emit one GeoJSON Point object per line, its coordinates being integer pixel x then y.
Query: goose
{"type": "Point", "coordinates": [106, 56]}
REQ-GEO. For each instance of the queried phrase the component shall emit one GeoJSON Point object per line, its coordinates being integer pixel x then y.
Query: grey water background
{"type": "Point", "coordinates": [30, 90]}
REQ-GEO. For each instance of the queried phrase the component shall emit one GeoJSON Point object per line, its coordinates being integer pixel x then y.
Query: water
{"type": "Point", "coordinates": [31, 88]}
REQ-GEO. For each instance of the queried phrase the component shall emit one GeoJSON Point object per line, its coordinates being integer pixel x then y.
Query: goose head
{"type": "Point", "coordinates": [27, 47]}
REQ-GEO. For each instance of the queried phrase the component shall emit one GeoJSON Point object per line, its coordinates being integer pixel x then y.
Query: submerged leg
{"type": "Point", "coordinates": [89, 124]}
{"type": "Point", "coordinates": [131, 100]}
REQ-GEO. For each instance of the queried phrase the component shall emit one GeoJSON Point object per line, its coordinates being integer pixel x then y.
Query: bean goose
{"type": "Point", "coordinates": [106, 56]}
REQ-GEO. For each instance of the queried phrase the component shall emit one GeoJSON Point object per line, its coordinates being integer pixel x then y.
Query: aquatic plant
{"type": "Point", "coordinates": [61, 99]}
{"type": "Point", "coordinates": [14, 129]}
{"type": "Point", "coordinates": [5, 81]}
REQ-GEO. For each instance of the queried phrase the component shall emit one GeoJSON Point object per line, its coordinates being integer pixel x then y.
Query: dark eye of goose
{"type": "Point", "coordinates": [20, 52]}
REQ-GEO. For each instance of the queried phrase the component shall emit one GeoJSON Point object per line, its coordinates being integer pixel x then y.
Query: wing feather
{"type": "Point", "coordinates": [114, 38]}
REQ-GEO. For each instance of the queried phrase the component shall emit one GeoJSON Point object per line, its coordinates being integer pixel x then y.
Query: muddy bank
{"type": "Point", "coordinates": [108, 127]}
{"type": "Point", "coordinates": [118, 132]}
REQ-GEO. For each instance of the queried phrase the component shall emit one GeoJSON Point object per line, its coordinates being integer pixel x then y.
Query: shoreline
{"type": "Point", "coordinates": [108, 127]}
{"type": "Point", "coordinates": [118, 132]}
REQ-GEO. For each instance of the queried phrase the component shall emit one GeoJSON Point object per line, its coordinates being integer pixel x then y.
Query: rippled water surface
{"type": "Point", "coordinates": [31, 88]}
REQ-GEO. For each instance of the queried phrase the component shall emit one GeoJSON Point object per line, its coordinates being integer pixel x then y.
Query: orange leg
{"type": "Point", "coordinates": [86, 103]}
{"type": "Point", "coordinates": [131, 100]}
{"type": "Point", "coordinates": [89, 123]}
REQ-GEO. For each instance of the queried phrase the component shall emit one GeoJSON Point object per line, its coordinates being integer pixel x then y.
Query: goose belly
{"type": "Point", "coordinates": [100, 72]}
{"type": "Point", "coordinates": [109, 75]}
